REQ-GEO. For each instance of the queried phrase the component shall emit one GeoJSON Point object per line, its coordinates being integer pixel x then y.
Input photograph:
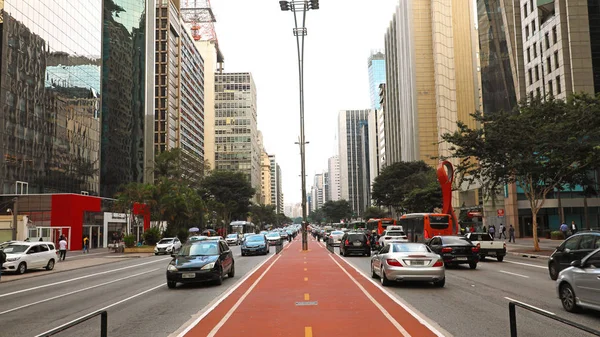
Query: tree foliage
{"type": "Point", "coordinates": [227, 193]}
{"type": "Point", "coordinates": [542, 146]}
{"type": "Point", "coordinates": [317, 216]}
{"type": "Point", "coordinates": [374, 213]}
{"type": "Point", "coordinates": [407, 186]}
{"type": "Point", "coordinates": [335, 211]}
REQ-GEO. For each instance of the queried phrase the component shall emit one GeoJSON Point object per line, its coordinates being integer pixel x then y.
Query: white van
{"type": "Point", "coordinates": [21, 255]}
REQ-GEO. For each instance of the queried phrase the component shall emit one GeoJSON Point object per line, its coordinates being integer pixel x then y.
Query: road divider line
{"type": "Point", "coordinates": [529, 305]}
{"type": "Point", "coordinates": [110, 306]}
{"type": "Point", "coordinates": [379, 306]}
{"type": "Point", "coordinates": [515, 274]}
{"type": "Point", "coordinates": [307, 331]}
{"type": "Point", "coordinates": [216, 328]}
{"type": "Point", "coordinates": [306, 279]}
{"type": "Point", "coordinates": [306, 297]}
{"type": "Point", "coordinates": [75, 292]}
{"type": "Point", "coordinates": [80, 278]}
{"type": "Point", "coordinates": [526, 264]}
{"type": "Point", "coordinates": [395, 299]}
{"type": "Point", "coordinates": [224, 296]}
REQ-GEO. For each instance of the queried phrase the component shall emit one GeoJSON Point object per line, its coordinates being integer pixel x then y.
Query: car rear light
{"type": "Point", "coordinates": [446, 250]}
{"type": "Point", "coordinates": [347, 243]}
{"type": "Point", "coordinates": [476, 249]}
{"type": "Point", "coordinates": [368, 243]}
{"type": "Point", "coordinates": [438, 263]}
{"type": "Point", "coordinates": [394, 262]}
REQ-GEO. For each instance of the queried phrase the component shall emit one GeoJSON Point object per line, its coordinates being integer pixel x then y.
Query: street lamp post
{"type": "Point", "coordinates": [300, 31]}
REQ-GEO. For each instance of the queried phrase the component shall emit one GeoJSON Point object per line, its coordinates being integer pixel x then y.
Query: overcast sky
{"type": "Point", "coordinates": [256, 36]}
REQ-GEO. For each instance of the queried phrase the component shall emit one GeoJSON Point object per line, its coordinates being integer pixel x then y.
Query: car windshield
{"type": "Point", "coordinates": [410, 248]}
{"type": "Point", "coordinates": [337, 233]}
{"type": "Point", "coordinates": [255, 238]}
{"type": "Point", "coordinates": [15, 249]}
{"type": "Point", "coordinates": [165, 241]}
{"type": "Point", "coordinates": [204, 248]}
{"type": "Point", "coordinates": [272, 235]}
{"type": "Point", "coordinates": [232, 236]}
{"type": "Point", "coordinates": [395, 233]}
{"type": "Point", "coordinates": [455, 240]}
{"type": "Point", "coordinates": [480, 237]}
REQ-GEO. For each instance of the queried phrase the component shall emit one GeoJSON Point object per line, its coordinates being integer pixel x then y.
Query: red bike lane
{"type": "Point", "coordinates": [311, 293]}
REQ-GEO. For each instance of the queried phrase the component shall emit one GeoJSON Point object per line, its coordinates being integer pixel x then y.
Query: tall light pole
{"type": "Point", "coordinates": [297, 7]}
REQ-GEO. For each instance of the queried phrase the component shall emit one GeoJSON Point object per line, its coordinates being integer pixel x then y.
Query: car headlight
{"type": "Point", "coordinates": [172, 268]}
{"type": "Point", "coordinates": [208, 266]}
{"type": "Point", "coordinates": [11, 259]}
{"type": "Point", "coordinates": [169, 248]}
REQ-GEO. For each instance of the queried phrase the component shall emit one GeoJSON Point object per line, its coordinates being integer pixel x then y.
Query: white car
{"type": "Point", "coordinates": [390, 236]}
{"type": "Point", "coordinates": [21, 256]}
{"type": "Point", "coordinates": [167, 246]}
{"type": "Point", "coordinates": [233, 239]}
{"type": "Point", "coordinates": [335, 238]}
{"type": "Point", "coordinates": [273, 238]}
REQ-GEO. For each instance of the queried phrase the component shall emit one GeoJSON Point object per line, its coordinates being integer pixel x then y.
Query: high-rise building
{"type": "Point", "coordinates": [265, 179]}
{"type": "Point", "coordinates": [276, 185]}
{"type": "Point", "coordinates": [381, 130]}
{"type": "Point", "coordinates": [127, 117]}
{"type": "Point", "coordinates": [50, 97]}
{"type": "Point", "coordinates": [371, 157]}
{"type": "Point", "coordinates": [350, 143]}
{"type": "Point", "coordinates": [326, 187]}
{"type": "Point", "coordinates": [280, 199]}
{"type": "Point", "coordinates": [376, 76]}
{"type": "Point", "coordinates": [333, 167]}
{"type": "Point", "coordinates": [236, 140]}
{"type": "Point", "coordinates": [317, 192]}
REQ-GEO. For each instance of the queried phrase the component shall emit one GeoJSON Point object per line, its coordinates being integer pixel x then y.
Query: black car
{"type": "Point", "coordinates": [576, 247]}
{"type": "Point", "coordinates": [201, 261]}
{"type": "Point", "coordinates": [355, 243]}
{"type": "Point", "coordinates": [255, 244]}
{"type": "Point", "coordinates": [455, 250]}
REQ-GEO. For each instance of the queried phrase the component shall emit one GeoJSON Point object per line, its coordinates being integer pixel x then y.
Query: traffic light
{"type": "Point", "coordinates": [314, 4]}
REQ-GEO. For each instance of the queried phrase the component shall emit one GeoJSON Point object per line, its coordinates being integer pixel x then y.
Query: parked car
{"type": "Point", "coordinates": [201, 261]}
{"type": "Point", "coordinates": [255, 244]}
{"type": "Point", "coordinates": [21, 256]}
{"type": "Point", "coordinates": [355, 243]}
{"type": "Point", "coordinates": [167, 246]}
{"type": "Point", "coordinates": [487, 245]}
{"type": "Point", "coordinates": [455, 250]}
{"type": "Point", "coordinates": [233, 239]}
{"type": "Point", "coordinates": [576, 247]}
{"type": "Point", "coordinates": [579, 285]}
{"type": "Point", "coordinates": [408, 262]}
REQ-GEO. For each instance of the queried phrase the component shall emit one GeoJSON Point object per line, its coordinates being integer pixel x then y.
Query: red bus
{"type": "Point", "coordinates": [380, 225]}
{"type": "Point", "coordinates": [420, 227]}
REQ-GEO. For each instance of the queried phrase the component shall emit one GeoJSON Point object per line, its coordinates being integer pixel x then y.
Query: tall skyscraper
{"type": "Point", "coordinates": [326, 187]}
{"type": "Point", "coordinates": [276, 185]}
{"type": "Point", "coordinates": [317, 192]}
{"type": "Point", "coordinates": [236, 141]}
{"type": "Point", "coordinates": [350, 124]}
{"type": "Point", "coordinates": [280, 200]}
{"type": "Point", "coordinates": [265, 173]}
{"type": "Point", "coordinates": [376, 76]}
{"type": "Point", "coordinates": [333, 166]}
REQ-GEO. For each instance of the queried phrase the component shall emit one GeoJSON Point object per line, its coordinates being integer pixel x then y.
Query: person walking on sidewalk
{"type": "Point", "coordinates": [85, 245]}
{"type": "Point", "coordinates": [564, 229]}
{"type": "Point", "coordinates": [573, 227]}
{"type": "Point", "coordinates": [62, 244]}
{"type": "Point", "coordinates": [511, 234]}
{"type": "Point", "coordinates": [502, 232]}
{"type": "Point", "coordinates": [492, 231]}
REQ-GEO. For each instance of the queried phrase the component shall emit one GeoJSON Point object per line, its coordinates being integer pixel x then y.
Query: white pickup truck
{"type": "Point", "coordinates": [487, 245]}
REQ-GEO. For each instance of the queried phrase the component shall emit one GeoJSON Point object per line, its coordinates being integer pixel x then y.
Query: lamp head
{"type": "Point", "coordinates": [314, 4]}
{"type": "Point", "coordinates": [285, 5]}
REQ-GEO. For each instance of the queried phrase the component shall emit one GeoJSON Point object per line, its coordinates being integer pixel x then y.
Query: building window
{"type": "Point", "coordinates": [535, 50]}
{"type": "Point", "coordinates": [526, 32]}
{"type": "Point", "coordinates": [549, 65]}
{"type": "Point", "coordinates": [528, 54]}
{"type": "Point", "coordinates": [558, 87]}
{"type": "Point", "coordinates": [525, 11]}
{"type": "Point", "coordinates": [531, 5]}
{"type": "Point", "coordinates": [537, 73]}
{"type": "Point", "coordinates": [554, 34]}
{"type": "Point", "coordinates": [530, 77]}
{"type": "Point", "coordinates": [538, 92]}
{"type": "Point", "coordinates": [533, 27]}
{"type": "Point", "coordinates": [550, 88]}
{"type": "Point", "coordinates": [556, 60]}
{"type": "Point", "coordinates": [547, 37]}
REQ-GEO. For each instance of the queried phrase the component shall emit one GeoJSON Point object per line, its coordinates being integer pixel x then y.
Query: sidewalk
{"type": "Point", "coordinates": [308, 294]}
{"type": "Point", "coordinates": [524, 247]}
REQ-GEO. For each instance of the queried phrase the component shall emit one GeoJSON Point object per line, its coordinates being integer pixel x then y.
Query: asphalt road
{"type": "Point", "coordinates": [474, 302]}
{"type": "Point", "coordinates": [134, 292]}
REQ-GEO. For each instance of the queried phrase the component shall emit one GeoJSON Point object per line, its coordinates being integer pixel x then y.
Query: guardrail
{"type": "Point", "coordinates": [279, 247]}
{"type": "Point", "coordinates": [103, 324]}
{"type": "Point", "coordinates": [330, 248]}
{"type": "Point", "coordinates": [512, 314]}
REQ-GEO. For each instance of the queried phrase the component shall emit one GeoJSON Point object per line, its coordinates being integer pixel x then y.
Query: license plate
{"type": "Point", "coordinates": [188, 275]}
{"type": "Point", "coordinates": [357, 243]}
{"type": "Point", "coordinates": [417, 263]}
{"type": "Point", "coordinates": [461, 258]}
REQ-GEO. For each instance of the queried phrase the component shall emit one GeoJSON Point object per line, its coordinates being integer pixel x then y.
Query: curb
{"type": "Point", "coordinates": [532, 256]}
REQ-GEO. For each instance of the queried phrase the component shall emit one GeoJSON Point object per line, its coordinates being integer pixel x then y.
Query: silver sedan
{"type": "Point", "coordinates": [408, 262]}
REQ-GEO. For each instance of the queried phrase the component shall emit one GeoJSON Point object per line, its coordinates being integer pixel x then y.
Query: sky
{"type": "Point", "coordinates": [256, 36]}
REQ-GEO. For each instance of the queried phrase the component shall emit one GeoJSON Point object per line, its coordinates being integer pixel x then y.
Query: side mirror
{"type": "Point", "coordinates": [558, 249]}
{"type": "Point", "coordinates": [576, 263]}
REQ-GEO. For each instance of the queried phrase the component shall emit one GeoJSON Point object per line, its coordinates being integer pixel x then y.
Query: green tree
{"type": "Point", "coordinates": [316, 216]}
{"type": "Point", "coordinates": [335, 211]}
{"type": "Point", "coordinates": [540, 147]}
{"type": "Point", "coordinates": [374, 213]}
{"type": "Point", "coordinates": [424, 199]}
{"type": "Point", "coordinates": [262, 215]}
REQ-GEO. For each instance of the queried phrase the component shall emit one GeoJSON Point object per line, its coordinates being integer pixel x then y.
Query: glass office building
{"type": "Point", "coordinates": [376, 77]}
{"type": "Point", "coordinates": [50, 96]}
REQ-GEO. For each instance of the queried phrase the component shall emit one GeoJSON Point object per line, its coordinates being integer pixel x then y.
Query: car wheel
{"type": "Point", "coordinates": [481, 257]}
{"type": "Point", "coordinates": [500, 258]}
{"type": "Point", "coordinates": [440, 283]}
{"type": "Point", "coordinates": [567, 298]}
{"type": "Point", "coordinates": [342, 252]}
{"type": "Point", "coordinates": [553, 271]}
{"type": "Point", "coordinates": [231, 273]}
{"type": "Point", "coordinates": [155, 253]}
{"type": "Point", "coordinates": [22, 268]}
{"type": "Point", "coordinates": [219, 281]}
{"type": "Point", "coordinates": [384, 280]}
{"type": "Point", "coordinates": [171, 284]}
{"type": "Point", "coordinates": [50, 265]}
{"type": "Point", "coordinates": [473, 265]}
{"type": "Point", "coordinates": [368, 253]}
{"type": "Point", "coordinates": [373, 274]}
{"type": "Point", "coordinates": [243, 254]}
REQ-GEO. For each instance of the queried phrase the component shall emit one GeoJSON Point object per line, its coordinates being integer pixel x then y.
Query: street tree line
{"type": "Point", "coordinates": [213, 199]}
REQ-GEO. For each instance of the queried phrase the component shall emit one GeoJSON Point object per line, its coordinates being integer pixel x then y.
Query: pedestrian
{"type": "Point", "coordinates": [85, 245]}
{"type": "Point", "coordinates": [62, 249]}
{"type": "Point", "coordinates": [502, 232]}
{"type": "Point", "coordinates": [2, 260]}
{"type": "Point", "coordinates": [484, 229]}
{"type": "Point", "coordinates": [492, 231]}
{"type": "Point", "coordinates": [564, 229]}
{"type": "Point", "coordinates": [511, 234]}
{"type": "Point", "coordinates": [573, 227]}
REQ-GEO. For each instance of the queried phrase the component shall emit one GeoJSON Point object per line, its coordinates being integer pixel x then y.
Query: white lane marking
{"type": "Point", "coordinates": [75, 292]}
{"type": "Point", "coordinates": [214, 331]}
{"type": "Point", "coordinates": [515, 274]}
{"type": "Point", "coordinates": [223, 297]}
{"type": "Point", "coordinates": [526, 264]}
{"type": "Point", "coordinates": [546, 311]}
{"type": "Point", "coordinates": [79, 278]}
{"type": "Point", "coordinates": [109, 306]}
{"type": "Point", "coordinates": [404, 306]}
{"type": "Point", "coordinates": [82, 255]}
{"type": "Point", "coordinates": [382, 309]}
